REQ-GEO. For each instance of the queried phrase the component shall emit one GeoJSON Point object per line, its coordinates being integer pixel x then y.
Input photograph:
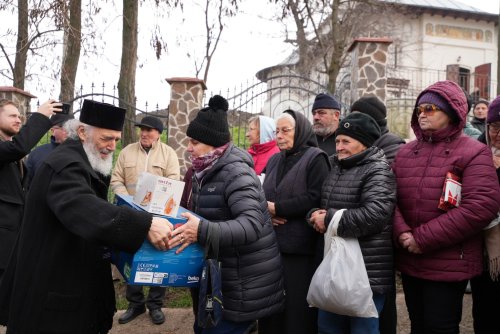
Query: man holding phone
{"type": "Point", "coordinates": [15, 142]}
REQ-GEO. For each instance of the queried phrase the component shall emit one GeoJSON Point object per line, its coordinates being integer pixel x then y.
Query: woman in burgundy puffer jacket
{"type": "Point", "coordinates": [439, 250]}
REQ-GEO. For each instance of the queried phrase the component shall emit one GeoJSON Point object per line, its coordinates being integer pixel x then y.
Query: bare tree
{"type": "Point", "coordinates": [126, 83]}
{"type": "Point", "coordinates": [22, 44]}
{"type": "Point", "coordinates": [213, 32]}
{"type": "Point", "coordinates": [32, 20]}
{"type": "Point", "coordinates": [43, 25]}
{"type": "Point", "coordinates": [324, 29]}
{"type": "Point", "coordinates": [71, 49]}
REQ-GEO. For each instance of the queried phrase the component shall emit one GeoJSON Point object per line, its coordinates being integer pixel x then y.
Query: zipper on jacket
{"type": "Point", "coordinates": [147, 159]}
{"type": "Point", "coordinates": [199, 183]}
{"type": "Point", "coordinates": [461, 252]}
{"type": "Point", "coordinates": [419, 190]}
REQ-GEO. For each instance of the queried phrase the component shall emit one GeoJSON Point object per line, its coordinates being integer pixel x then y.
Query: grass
{"type": "Point", "coordinates": [174, 297]}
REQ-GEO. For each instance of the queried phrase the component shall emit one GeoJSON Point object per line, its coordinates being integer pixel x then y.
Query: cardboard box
{"type": "Point", "coordinates": [158, 195]}
{"type": "Point", "coordinates": [149, 266]}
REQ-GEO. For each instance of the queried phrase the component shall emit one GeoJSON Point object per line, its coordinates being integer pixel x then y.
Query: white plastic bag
{"type": "Point", "coordinates": [340, 284]}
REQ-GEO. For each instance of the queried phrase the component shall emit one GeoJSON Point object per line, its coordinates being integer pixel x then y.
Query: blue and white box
{"type": "Point", "coordinates": [149, 266]}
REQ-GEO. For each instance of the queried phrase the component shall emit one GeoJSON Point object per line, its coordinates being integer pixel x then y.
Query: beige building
{"type": "Point", "coordinates": [428, 41]}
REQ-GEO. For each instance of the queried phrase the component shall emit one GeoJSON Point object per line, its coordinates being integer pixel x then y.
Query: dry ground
{"type": "Point", "coordinates": [180, 320]}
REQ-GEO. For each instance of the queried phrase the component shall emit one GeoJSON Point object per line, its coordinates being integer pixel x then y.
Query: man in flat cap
{"type": "Point", "coordinates": [326, 115]}
{"type": "Point", "coordinates": [149, 154]}
{"type": "Point", "coordinates": [59, 278]}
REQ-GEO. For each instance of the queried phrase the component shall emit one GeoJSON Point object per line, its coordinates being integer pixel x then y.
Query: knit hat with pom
{"type": "Point", "coordinates": [210, 125]}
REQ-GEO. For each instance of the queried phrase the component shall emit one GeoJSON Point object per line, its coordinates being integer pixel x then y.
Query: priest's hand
{"type": "Point", "coordinates": [159, 233]}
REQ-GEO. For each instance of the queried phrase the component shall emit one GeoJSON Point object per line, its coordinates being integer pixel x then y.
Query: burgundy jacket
{"type": "Point", "coordinates": [450, 241]}
{"type": "Point", "coordinates": [261, 154]}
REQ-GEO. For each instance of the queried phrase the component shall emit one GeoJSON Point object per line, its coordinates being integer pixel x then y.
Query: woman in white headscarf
{"type": "Point", "coordinates": [262, 138]}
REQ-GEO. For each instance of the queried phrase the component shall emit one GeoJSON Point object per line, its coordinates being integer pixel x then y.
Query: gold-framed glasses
{"type": "Point", "coordinates": [428, 109]}
{"type": "Point", "coordinates": [284, 130]}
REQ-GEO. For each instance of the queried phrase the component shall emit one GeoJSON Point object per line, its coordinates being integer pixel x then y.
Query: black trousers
{"type": "Point", "coordinates": [298, 317]}
{"type": "Point", "coordinates": [388, 318]}
{"type": "Point", "coordinates": [135, 297]}
{"type": "Point", "coordinates": [485, 304]}
{"type": "Point", "coordinates": [433, 307]}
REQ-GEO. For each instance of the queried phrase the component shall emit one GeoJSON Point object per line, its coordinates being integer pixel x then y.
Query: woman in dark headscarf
{"type": "Point", "coordinates": [293, 187]}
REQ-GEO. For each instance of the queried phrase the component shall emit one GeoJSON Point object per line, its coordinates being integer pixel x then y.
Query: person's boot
{"type": "Point", "coordinates": [157, 316]}
{"type": "Point", "coordinates": [131, 314]}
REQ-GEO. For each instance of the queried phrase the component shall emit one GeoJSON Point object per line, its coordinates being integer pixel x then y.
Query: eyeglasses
{"type": "Point", "coordinates": [428, 109]}
{"type": "Point", "coordinates": [284, 130]}
{"type": "Point", "coordinates": [493, 127]}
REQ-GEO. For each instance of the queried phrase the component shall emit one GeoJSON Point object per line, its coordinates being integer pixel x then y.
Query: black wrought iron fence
{"type": "Point", "coordinates": [112, 98]}
{"type": "Point", "coordinates": [270, 98]}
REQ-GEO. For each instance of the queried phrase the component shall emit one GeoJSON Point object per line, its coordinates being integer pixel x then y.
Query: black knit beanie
{"type": "Point", "coordinates": [325, 101]}
{"type": "Point", "coordinates": [371, 106]}
{"type": "Point", "coordinates": [210, 124]}
{"type": "Point", "coordinates": [361, 127]}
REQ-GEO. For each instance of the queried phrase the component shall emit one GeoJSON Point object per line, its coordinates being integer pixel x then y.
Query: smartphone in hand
{"type": "Point", "coordinates": [65, 108]}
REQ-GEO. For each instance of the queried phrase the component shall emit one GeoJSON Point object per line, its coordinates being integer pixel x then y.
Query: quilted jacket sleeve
{"type": "Point", "coordinates": [244, 199]}
{"type": "Point", "coordinates": [378, 197]}
{"type": "Point", "coordinates": [399, 226]}
{"type": "Point", "coordinates": [479, 205]}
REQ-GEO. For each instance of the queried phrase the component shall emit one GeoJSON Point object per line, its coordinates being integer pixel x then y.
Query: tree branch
{"type": "Point", "coordinates": [7, 57]}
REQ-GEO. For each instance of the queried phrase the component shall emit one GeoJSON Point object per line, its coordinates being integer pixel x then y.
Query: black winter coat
{"type": "Point", "coordinates": [36, 157]}
{"type": "Point", "coordinates": [389, 143]}
{"type": "Point", "coordinates": [61, 281]}
{"type": "Point", "coordinates": [327, 144]}
{"type": "Point", "coordinates": [479, 124]}
{"type": "Point", "coordinates": [365, 185]}
{"type": "Point", "coordinates": [11, 181]}
{"type": "Point", "coordinates": [230, 195]}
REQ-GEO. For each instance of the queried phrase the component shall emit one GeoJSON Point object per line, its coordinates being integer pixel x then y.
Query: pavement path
{"type": "Point", "coordinates": [180, 321]}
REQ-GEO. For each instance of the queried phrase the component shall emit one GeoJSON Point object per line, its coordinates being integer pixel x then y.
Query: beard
{"type": "Point", "coordinates": [99, 164]}
{"type": "Point", "coordinates": [322, 130]}
{"type": "Point", "coordinates": [9, 131]}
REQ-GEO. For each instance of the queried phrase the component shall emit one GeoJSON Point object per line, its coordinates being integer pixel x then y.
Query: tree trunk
{"type": "Point", "coordinates": [303, 65]}
{"type": "Point", "coordinates": [71, 53]}
{"type": "Point", "coordinates": [338, 49]}
{"type": "Point", "coordinates": [22, 44]}
{"type": "Point", "coordinates": [126, 83]}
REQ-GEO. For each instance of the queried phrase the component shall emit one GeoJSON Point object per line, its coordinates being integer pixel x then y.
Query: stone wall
{"type": "Point", "coordinates": [186, 99]}
{"type": "Point", "coordinates": [368, 72]}
{"type": "Point", "coordinates": [21, 97]}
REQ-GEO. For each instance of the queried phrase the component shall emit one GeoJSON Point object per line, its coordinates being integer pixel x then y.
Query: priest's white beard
{"type": "Point", "coordinates": [101, 165]}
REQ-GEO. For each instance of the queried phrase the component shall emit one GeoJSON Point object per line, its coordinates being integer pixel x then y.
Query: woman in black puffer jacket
{"type": "Point", "coordinates": [227, 193]}
{"type": "Point", "coordinates": [362, 182]}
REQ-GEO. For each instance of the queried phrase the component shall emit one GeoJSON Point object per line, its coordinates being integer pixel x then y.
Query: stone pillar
{"type": "Point", "coordinates": [369, 59]}
{"type": "Point", "coordinates": [186, 99]}
{"type": "Point", "coordinates": [21, 97]}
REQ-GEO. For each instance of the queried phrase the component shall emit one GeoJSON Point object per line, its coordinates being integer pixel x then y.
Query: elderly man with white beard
{"type": "Point", "coordinates": [59, 279]}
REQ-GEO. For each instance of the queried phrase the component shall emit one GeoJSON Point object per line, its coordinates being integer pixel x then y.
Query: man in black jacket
{"type": "Point", "coordinates": [389, 142]}
{"type": "Point", "coordinates": [326, 115]}
{"type": "Point", "coordinates": [58, 135]}
{"type": "Point", "coordinates": [59, 280]}
{"type": "Point", "coordinates": [15, 143]}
